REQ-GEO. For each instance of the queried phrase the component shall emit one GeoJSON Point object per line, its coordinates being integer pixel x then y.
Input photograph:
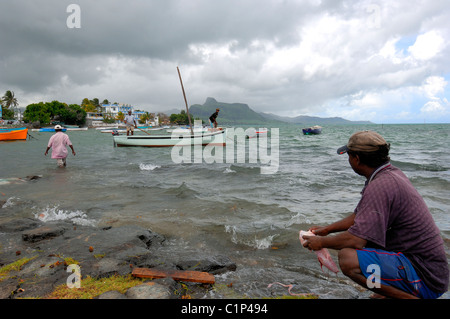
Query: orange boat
{"type": "Point", "coordinates": [13, 134]}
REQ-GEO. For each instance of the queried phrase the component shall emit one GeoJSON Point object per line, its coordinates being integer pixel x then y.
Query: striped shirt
{"type": "Point", "coordinates": [392, 215]}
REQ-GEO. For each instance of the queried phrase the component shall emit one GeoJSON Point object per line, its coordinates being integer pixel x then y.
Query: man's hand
{"type": "Point", "coordinates": [319, 230]}
{"type": "Point", "coordinates": [312, 242]}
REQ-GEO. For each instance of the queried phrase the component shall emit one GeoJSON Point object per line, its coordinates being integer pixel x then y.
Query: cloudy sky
{"type": "Point", "coordinates": [378, 60]}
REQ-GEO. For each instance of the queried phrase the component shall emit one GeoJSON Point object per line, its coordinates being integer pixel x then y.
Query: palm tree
{"type": "Point", "coordinates": [146, 117]}
{"type": "Point", "coordinates": [120, 116]}
{"type": "Point", "coordinates": [9, 100]}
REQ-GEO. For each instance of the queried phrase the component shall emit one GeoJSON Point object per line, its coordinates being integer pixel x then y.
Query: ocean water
{"type": "Point", "coordinates": [225, 207]}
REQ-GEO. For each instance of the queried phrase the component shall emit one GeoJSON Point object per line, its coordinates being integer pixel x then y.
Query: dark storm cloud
{"type": "Point", "coordinates": [290, 57]}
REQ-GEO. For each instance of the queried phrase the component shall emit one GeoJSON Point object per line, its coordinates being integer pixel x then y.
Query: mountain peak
{"type": "Point", "coordinates": [210, 100]}
{"type": "Point", "coordinates": [239, 113]}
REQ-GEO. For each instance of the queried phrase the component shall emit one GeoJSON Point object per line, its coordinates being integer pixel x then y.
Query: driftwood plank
{"type": "Point", "coordinates": [180, 275]}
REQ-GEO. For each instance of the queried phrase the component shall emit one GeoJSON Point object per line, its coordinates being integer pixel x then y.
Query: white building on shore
{"type": "Point", "coordinates": [112, 111]}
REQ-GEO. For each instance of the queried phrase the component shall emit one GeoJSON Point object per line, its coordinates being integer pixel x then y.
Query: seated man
{"type": "Point", "coordinates": [390, 244]}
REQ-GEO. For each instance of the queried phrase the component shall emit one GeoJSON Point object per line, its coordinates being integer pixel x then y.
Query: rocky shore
{"type": "Point", "coordinates": [50, 248]}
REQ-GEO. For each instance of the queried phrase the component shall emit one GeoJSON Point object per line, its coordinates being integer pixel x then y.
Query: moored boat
{"type": "Point", "coordinates": [187, 130]}
{"type": "Point", "coordinates": [9, 129]}
{"type": "Point", "coordinates": [217, 138]}
{"type": "Point", "coordinates": [108, 127]}
{"type": "Point", "coordinates": [12, 134]}
{"type": "Point", "coordinates": [77, 128]}
{"type": "Point", "coordinates": [313, 130]}
{"type": "Point", "coordinates": [46, 129]}
{"type": "Point", "coordinates": [124, 130]}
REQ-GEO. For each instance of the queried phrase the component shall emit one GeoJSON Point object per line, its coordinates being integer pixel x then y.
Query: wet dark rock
{"type": "Point", "coordinates": [33, 177]}
{"type": "Point", "coordinates": [113, 294]}
{"type": "Point", "coordinates": [149, 290]}
{"type": "Point", "coordinates": [212, 264]}
{"type": "Point", "coordinates": [99, 252]}
{"type": "Point", "coordinates": [42, 233]}
{"type": "Point", "coordinates": [18, 225]}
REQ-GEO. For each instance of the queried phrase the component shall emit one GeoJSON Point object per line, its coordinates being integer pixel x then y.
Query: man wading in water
{"type": "Point", "coordinates": [390, 244]}
{"type": "Point", "coordinates": [59, 142]}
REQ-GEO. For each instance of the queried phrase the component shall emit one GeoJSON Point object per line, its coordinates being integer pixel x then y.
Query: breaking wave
{"type": "Point", "coordinates": [9, 202]}
{"type": "Point", "coordinates": [148, 167]}
{"type": "Point", "coordinates": [253, 242]}
{"type": "Point", "coordinates": [77, 217]}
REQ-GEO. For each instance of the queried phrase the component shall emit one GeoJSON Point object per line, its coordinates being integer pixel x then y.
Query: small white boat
{"type": "Point", "coordinates": [77, 128]}
{"type": "Point", "coordinates": [124, 130]}
{"type": "Point", "coordinates": [113, 130]}
{"type": "Point", "coordinates": [107, 127]}
{"type": "Point", "coordinates": [217, 138]}
{"type": "Point", "coordinates": [187, 130]}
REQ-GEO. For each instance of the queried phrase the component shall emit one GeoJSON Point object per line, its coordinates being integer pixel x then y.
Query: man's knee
{"type": "Point", "coordinates": [348, 261]}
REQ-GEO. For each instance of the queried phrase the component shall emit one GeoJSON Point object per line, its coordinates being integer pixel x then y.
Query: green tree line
{"type": "Point", "coordinates": [182, 118]}
{"type": "Point", "coordinates": [46, 112]}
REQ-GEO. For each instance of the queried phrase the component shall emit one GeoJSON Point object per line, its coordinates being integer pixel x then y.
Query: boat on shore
{"type": "Point", "coordinates": [313, 130]}
{"type": "Point", "coordinates": [217, 138]}
{"type": "Point", "coordinates": [13, 134]}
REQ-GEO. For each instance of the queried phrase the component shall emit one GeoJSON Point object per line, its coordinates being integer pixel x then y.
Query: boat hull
{"type": "Point", "coordinates": [77, 129]}
{"type": "Point", "coordinates": [108, 130]}
{"type": "Point", "coordinates": [312, 130]}
{"type": "Point", "coordinates": [13, 134]}
{"type": "Point", "coordinates": [46, 129]}
{"type": "Point", "coordinates": [214, 139]}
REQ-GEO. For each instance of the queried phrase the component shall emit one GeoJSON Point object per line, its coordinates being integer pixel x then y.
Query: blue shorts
{"type": "Point", "coordinates": [392, 269]}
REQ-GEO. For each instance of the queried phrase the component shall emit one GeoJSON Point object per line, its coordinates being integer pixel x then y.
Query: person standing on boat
{"type": "Point", "coordinates": [58, 143]}
{"type": "Point", "coordinates": [212, 119]}
{"type": "Point", "coordinates": [130, 122]}
{"type": "Point", "coordinates": [390, 244]}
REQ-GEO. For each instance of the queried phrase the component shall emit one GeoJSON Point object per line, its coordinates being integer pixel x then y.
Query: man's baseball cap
{"type": "Point", "coordinates": [364, 141]}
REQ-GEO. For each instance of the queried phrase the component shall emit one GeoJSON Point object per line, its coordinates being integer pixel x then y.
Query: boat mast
{"type": "Point", "coordinates": [187, 109]}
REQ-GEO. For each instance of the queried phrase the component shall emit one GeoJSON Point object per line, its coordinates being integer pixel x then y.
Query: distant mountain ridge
{"type": "Point", "coordinates": [240, 113]}
{"type": "Point", "coordinates": [311, 120]}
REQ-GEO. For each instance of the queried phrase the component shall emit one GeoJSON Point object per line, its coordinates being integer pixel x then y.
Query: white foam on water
{"type": "Point", "coordinates": [299, 218]}
{"type": "Point", "coordinates": [228, 171]}
{"type": "Point", "coordinates": [148, 167]}
{"type": "Point", "coordinates": [9, 202]}
{"type": "Point", "coordinates": [55, 214]}
{"type": "Point", "coordinates": [258, 243]}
